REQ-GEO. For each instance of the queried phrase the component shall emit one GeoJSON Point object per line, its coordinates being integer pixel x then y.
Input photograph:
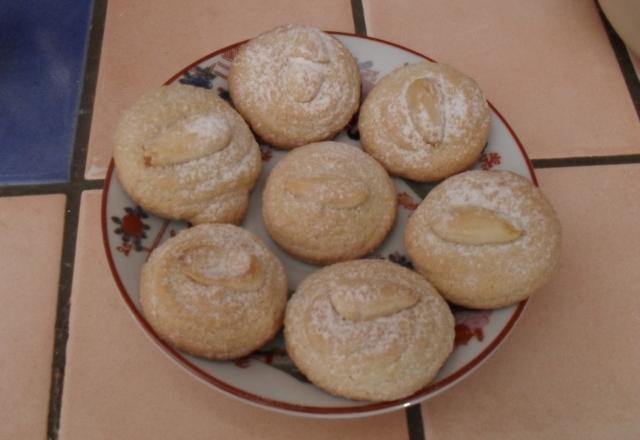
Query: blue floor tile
{"type": "Point", "coordinates": [42, 50]}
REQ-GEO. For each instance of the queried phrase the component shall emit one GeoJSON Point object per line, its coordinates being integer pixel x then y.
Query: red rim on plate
{"type": "Point", "coordinates": [365, 408]}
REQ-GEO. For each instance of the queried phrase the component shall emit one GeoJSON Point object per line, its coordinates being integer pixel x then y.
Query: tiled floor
{"type": "Point", "coordinates": [129, 67]}
{"type": "Point", "coordinates": [42, 51]}
{"type": "Point", "coordinates": [547, 65]}
{"type": "Point", "coordinates": [114, 373]}
{"type": "Point", "coordinates": [29, 268]}
{"type": "Point", "coordinates": [567, 371]}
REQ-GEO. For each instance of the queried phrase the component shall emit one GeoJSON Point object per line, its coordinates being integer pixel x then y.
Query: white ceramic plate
{"type": "Point", "coordinates": [268, 378]}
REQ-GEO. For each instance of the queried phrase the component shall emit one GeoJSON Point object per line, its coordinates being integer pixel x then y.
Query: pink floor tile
{"type": "Point", "coordinates": [547, 65]}
{"type": "Point", "coordinates": [29, 269]}
{"type": "Point", "coordinates": [145, 43]}
{"type": "Point", "coordinates": [119, 385]}
{"type": "Point", "coordinates": [570, 368]}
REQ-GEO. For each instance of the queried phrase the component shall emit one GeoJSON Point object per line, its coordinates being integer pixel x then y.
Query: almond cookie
{"type": "Point", "coordinates": [328, 202]}
{"type": "Point", "coordinates": [425, 122]}
{"type": "Point", "coordinates": [183, 153]}
{"type": "Point", "coordinates": [295, 85]}
{"type": "Point", "coordinates": [484, 239]}
{"type": "Point", "coordinates": [214, 291]}
{"type": "Point", "coordinates": [368, 330]}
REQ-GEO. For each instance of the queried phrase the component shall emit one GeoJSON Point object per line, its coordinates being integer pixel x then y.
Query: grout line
{"type": "Point", "coordinates": [91, 184]}
{"type": "Point", "coordinates": [49, 188]}
{"type": "Point", "coordinates": [83, 185]}
{"type": "Point", "coordinates": [85, 111]}
{"type": "Point", "coordinates": [586, 161]}
{"type": "Point", "coordinates": [28, 190]}
{"type": "Point", "coordinates": [624, 61]}
{"type": "Point", "coordinates": [74, 190]}
{"type": "Point", "coordinates": [62, 314]}
{"type": "Point", "coordinates": [357, 10]}
{"type": "Point", "coordinates": [414, 422]}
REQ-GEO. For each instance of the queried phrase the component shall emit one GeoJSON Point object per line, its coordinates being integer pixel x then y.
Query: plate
{"type": "Point", "coordinates": [267, 378]}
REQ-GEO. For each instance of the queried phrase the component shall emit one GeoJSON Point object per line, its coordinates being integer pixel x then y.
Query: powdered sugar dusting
{"type": "Point", "coordinates": [309, 64]}
{"type": "Point", "coordinates": [206, 126]}
{"type": "Point", "coordinates": [457, 108]}
{"type": "Point", "coordinates": [511, 197]}
{"type": "Point", "coordinates": [232, 263]}
{"type": "Point", "coordinates": [348, 352]}
{"type": "Point", "coordinates": [231, 250]}
{"type": "Point", "coordinates": [364, 338]}
{"type": "Point", "coordinates": [275, 69]}
{"type": "Point", "coordinates": [187, 190]}
{"type": "Point", "coordinates": [491, 194]}
{"type": "Point", "coordinates": [322, 220]}
{"type": "Point", "coordinates": [388, 121]}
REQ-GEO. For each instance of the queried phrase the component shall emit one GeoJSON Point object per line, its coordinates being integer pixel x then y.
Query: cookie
{"type": "Point", "coordinates": [368, 330]}
{"type": "Point", "coordinates": [215, 291]}
{"type": "Point", "coordinates": [183, 153]}
{"type": "Point", "coordinates": [328, 202]}
{"type": "Point", "coordinates": [484, 239]}
{"type": "Point", "coordinates": [425, 122]}
{"type": "Point", "coordinates": [295, 85]}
